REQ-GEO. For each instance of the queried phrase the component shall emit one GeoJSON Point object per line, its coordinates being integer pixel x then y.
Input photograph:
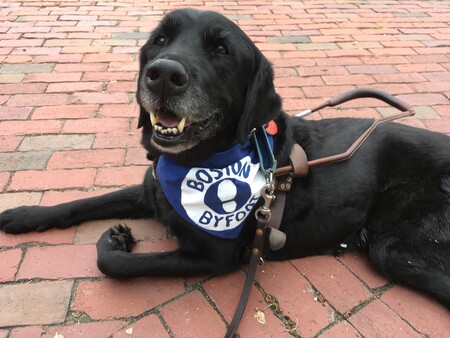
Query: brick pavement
{"type": "Point", "coordinates": [67, 130]}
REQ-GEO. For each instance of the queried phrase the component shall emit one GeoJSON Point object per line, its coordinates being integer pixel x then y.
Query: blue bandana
{"type": "Point", "coordinates": [218, 194]}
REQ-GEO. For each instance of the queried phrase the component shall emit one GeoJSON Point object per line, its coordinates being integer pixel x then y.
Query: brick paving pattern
{"type": "Point", "coordinates": [68, 130]}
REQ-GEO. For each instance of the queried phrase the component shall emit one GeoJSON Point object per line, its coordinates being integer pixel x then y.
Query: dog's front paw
{"type": "Point", "coordinates": [25, 219]}
{"type": "Point", "coordinates": [118, 237]}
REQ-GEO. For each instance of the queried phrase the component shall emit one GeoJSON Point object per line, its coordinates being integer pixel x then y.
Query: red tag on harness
{"type": "Point", "coordinates": [271, 128]}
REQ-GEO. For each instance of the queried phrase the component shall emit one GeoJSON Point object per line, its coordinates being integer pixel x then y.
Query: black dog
{"type": "Point", "coordinates": [203, 87]}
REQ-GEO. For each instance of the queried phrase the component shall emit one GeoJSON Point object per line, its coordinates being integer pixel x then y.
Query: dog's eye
{"type": "Point", "coordinates": [160, 40]}
{"type": "Point", "coordinates": [220, 49]}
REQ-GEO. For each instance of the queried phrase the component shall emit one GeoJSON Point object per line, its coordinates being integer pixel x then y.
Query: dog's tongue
{"type": "Point", "coordinates": [168, 119]}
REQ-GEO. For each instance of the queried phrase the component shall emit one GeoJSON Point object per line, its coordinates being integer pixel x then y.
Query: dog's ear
{"type": "Point", "coordinates": [144, 118]}
{"type": "Point", "coordinates": [262, 103]}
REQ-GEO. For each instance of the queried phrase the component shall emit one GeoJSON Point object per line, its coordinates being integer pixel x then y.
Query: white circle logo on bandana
{"type": "Point", "coordinates": [221, 199]}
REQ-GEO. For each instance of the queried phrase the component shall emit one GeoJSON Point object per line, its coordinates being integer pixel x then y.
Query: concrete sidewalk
{"type": "Point", "coordinates": [68, 130]}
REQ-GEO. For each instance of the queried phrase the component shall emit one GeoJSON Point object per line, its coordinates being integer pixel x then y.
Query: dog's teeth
{"type": "Point", "coordinates": [153, 118]}
{"type": "Point", "coordinates": [180, 126]}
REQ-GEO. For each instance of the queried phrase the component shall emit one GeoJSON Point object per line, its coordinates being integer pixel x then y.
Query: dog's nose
{"type": "Point", "coordinates": [166, 77]}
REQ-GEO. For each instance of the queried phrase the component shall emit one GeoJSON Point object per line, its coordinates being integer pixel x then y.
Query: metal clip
{"type": "Point", "coordinates": [268, 196]}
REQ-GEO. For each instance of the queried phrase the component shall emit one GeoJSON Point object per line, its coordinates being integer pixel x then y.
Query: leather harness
{"type": "Point", "coordinates": [269, 216]}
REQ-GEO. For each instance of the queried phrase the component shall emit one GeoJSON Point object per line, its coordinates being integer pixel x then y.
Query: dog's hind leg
{"type": "Point", "coordinates": [126, 203]}
{"type": "Point", "coordinates": [425, 267]}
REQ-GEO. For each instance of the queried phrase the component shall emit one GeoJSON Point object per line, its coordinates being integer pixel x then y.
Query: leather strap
{"type": "Point", "coordinates": [349, 152]}
{"type": "Point", "coordinates": [256, 253]}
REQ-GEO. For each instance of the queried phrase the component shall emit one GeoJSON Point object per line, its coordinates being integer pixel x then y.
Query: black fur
{"type": "Point", "coordinates": [392, 199]}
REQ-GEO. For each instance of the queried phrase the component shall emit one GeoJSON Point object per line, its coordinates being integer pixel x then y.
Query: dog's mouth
{"type": "Point", "coordinates": [168, 125]}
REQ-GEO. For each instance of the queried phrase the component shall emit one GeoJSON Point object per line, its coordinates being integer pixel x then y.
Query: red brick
{"type": "Point", "coordinates": [58, 262]}
{"type": "Point", "coordinates": [303, 54]}
{"type": "Point", "coordinates": [353, 112]}
{"type": "Point", "coordinates": [86, 49]}
{"type": "Point", "coordinates": [380, 60]}
{"type": "Point", "coordinates": [98, 125]}
{"type": "Point", "coordinates": [378, 320]}
{"type": "Point", "coordinates": [430, 87]}
{"type": "Point", "coordinates": [9, 143]}
{"type": "Point", "coordinates": [37, 50]}
{"type": "Point", "coordinates": [4, 98]}
{"type": "Point", "coordinates": [119, 110]}
{"type": "Point", "coordinates": [137, 156]}
{"type": "Point", "coordinates": [11, 78]}
{"type": "Point", "coordinates": [285, 283]}
{"type": "Point", "coordinates": [325, 91]}
{"type": "Point", "coordinates": [423, 99]}
{"type": "Point", "coordinates": [198, 320]}
{"type": "Point", "coordinates": [87, 330]}
{"type": "Point", "coordinates": [74, 87]}
{"type": "Point", "coordinates": [107, 57]}
{"type": "Point", "coordinates": [53, 236]}
{"type": "Point", "coordinates": [109, 76]}
{"type": "Point", "coordinates": [393, 51]}
{"type": "Point", "coordinates": [10, 262]}
{"type": "Point", "coordinates": [340, 61]}
{"type": "Point", "coordinates": [66, 111]}
{"type": "Point", "coordinates": [34, 303]}
{"type": "Point", "coordinates": [399, 78]}
{"type": "Point", "coordinates": [25, 100]}
{"type": "Point", "coordinates": [347, 52]}
{"type": "Point", "coordinates": [322, 70]}
{"type": "Point", "coordinates": [390, 44]}
{"type": "Point", "coordinates": [141, 329]}
{"type": "Point", "coordinates": [52, 179]}
{"type": "Point", "coordinates": [426, 315]}
{"type": "Point", "coordinates": [14, 113]}
{"type": "Point", "coordinates": [81, 67]}
{"type": "Point", "coordinates": [23, 88]}
{"type": "Point", "coordinates": [359, 264]}
{"type": "Point", "coordinates": [86, 158]}
{"type": "Point", "coordinates": [85, 97]}
{"type": "Point", "coordinates": [4, 178]}
{"type": "Point", "coordinates": [29, 127]}
{"type": "Point", "coordinates": [354, 79]}
{"type": "Point", "coordinates": [439, 125]}
{"type": "Point", "coordinates": [420, 67]}
{"type": "Point", "coordinates": [123, 86]}
{"type": "Point", "coordinates": [295, 82]}
{"type": "Point", "coordinates": [433, 77]}
{"type": "Point", "coordinates": [22, 43]}
{"type": "Point", "coordinates": [341, 330]}
{"type": "Point", "coordinates": [432, 50]}
{"type": "Point", "coordinates": [428, 58]}
{"type": "Point", "coordinates": [338, 285]}
{"type": "Point", "coordinates": [117, 140]}
{"type": "Point", "coordinates": [18, 58]}
{"type": "Point", "coordinates": [115, 299]}
{"type": "Point", "coordinates": [443, 110]}
{"type": "Point", "coordinates": [53, 77]}
{"type": "Point", "coordinates": [121, 176]}
{"type": "Point", "coordinates": [372, 69]}
{"type": "Point", "coordinates": [59, 58]}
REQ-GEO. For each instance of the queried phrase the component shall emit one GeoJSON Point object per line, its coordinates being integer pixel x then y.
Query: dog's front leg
{"type": "Point", "coordinates": [115, 259]}
{"type": "Point", "coordinates": [126, 203]}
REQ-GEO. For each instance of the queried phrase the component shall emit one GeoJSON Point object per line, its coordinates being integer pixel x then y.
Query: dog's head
{"type": "Point", "coordinates": [203, 85]}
